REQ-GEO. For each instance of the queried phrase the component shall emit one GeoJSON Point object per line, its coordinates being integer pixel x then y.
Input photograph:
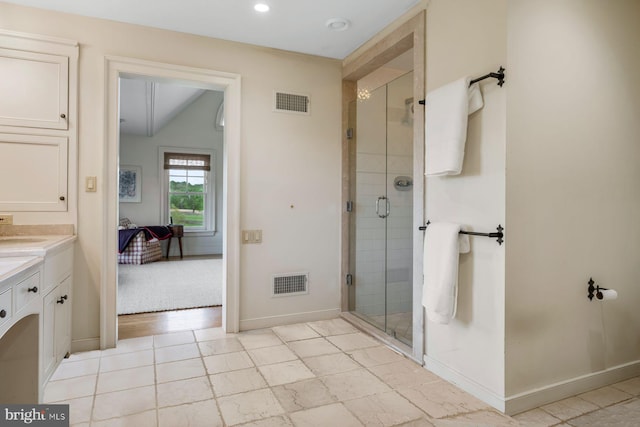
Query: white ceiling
{"type": "Point", "coordinates": [295, 25]}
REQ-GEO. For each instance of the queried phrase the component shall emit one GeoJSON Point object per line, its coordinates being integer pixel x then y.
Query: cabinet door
{"type": "Point", "coordinates": [34, 88]}
{"type": "Point", "coordinates": [36, 177]}
{"type": "Point", "coordinates": [48, 330]}
{"type": "Point", "coordinates": [63, 319]}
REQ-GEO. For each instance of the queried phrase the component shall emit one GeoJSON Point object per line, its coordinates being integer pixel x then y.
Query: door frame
{"type": "Point", "coordinates": [198, 77]}
{"type": "Point", "coordinates": [409, 35]}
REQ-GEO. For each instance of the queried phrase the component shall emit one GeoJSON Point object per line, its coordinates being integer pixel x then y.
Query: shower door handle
{"type": "Point", "coordinates": [387, 206]}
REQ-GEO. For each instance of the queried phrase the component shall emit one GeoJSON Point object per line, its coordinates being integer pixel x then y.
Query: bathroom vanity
{"type": "Point", "coordinates": [35, 312]}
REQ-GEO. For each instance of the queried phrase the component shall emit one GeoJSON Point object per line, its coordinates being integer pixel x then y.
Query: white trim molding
{"type": "Point", "coordinates": [287, 319]}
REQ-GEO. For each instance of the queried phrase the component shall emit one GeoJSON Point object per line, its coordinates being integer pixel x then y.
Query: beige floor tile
{"type": "Point", "coordinates": [536, 418]}
{"type": "Point", "coordinates": [332, 327]}
{"type": "Point", "coordinates": [605, 396]}
{"type": "Point", "coordinates": [386, 409]}
{"type": "Point", "coordinates": [144, 419]}
{"type": "Point", "coordinates": [80, 368]}
{"type": "Point", "coordinates": [227, 362]}
{"type": "Point", "coordinates": [478, 419]}
{"type": "Point", "coordinates": [175, 338]}
{"type": "Point", "coordinates": [323, 416]}
{"type": "Point", "coordinates": [234, 382]}
{"type": "Point", "coordinates": [355, 341]}
{"type": "Point", "coordinates": [404, 373]}
{"type": "Point", "coordinates": [249, 406]}
{"type": "Point", "coordinates": [625, 414]}
{"type": "Point", "coordinates": [184, 391]}
{"type": "Point", "coordinates": [198, 414]}
{"type": "Point", "coordinates": [129, 346]}
{"type": "Point", "coordinates": [177, 352]}
{"type": "Point", "coordinates": [295, 332]}
{"type": "Point", "coordinates": [257, 339]}
{"type": "Point", "coordinates": [569, 408]}
{"type": "Point", "coordinates": [330, 364]}
{"type": "Point", "coordinates": [126, 360]}
{"type": "Point", "coordinates": [180, 370]}
{"type": "Point", "coordinates": [220, 346]}
{"type": "Point", "coordinates": [211, 334]}
{"type": "Point", "coordinates": [271, 355]}
{"type": "Point", "coordinates": [80, 409]}
{"type": "Point", "coordinates": [373, 356]}
{"type": "Point", "coordinates": [303, 395]}
{"type": "Point", "coordinates": [354, 384]}
{"type": "Point", "coordinates": [441, 399]}
{"type": "Point", "coordinates": [72, 388]}
{"type": "Point", "coordinates": [421, 422]}
{"type": "Point", "coordinates": [125, 378]}
{"type": "Point", "coordinates": [631, 386]}
{"type": "Point", "coordinates": [285, 372]}
{"type": "Point", "coordinates": [123, 403]}
{"type": "Point", "coordinates": [280, 421]}
{"type": "Point", "coordinates": [313, 347]}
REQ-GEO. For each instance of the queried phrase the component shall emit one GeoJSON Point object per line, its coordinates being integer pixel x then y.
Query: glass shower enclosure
{"type": "Point", "coordinates": [381, 194]}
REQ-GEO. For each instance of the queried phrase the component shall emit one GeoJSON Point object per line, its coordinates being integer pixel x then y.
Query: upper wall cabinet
{"type": "Point", "coordinates": [38, 123]}
{"type": "Point", "coordinates": [35, 89]}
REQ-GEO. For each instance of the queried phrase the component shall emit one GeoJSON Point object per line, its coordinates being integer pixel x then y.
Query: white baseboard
{"type": "Point", "coordinates": [470, 386]}
{"type": "Point", "coordinates": [525, 401]}
{"type": "Point", "coordinates": [287, 319]}
{"type": "Point", "coordinates": [532, 399]}
{"type": "Point", "coordinates": [87, 344]}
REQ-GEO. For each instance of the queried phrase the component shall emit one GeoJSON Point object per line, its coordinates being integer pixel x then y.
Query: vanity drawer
{"type": "Point", "coordinates": [5, 306]}
{"type": "Point", "coordinates": [27, 290]}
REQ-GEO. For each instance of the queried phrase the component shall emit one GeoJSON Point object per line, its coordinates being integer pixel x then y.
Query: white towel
{"type": "Point", "coordinates": [443, 245]}
{"type": "Point", "coordinates": [446, 114]}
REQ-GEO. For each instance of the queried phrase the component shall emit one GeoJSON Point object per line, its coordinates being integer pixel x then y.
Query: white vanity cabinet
{"type": "Point", "coordinates": [38, 122]}
{"type": "Point", "coordinates": [56, 309]}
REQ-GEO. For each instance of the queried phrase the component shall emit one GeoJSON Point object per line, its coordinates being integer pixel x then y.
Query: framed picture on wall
{"type": "Point", "coordinates": [130, 184]}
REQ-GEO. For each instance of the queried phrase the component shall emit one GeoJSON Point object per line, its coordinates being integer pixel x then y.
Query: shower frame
{"type": "Point", "coordinates": [409, 35]}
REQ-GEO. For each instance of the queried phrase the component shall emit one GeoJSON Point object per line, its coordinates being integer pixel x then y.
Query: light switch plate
{"type": "Point", "coordinates": [90, 185]}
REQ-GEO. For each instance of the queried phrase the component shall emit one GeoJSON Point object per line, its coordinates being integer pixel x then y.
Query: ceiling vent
{"type": "Point", "coordinates": [291, 103]}
{"type": "Point", "coordinates": [290, 284]}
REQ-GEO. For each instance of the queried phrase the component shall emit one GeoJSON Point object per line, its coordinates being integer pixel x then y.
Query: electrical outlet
{"type": "Point", "coordinates": [6, 219]}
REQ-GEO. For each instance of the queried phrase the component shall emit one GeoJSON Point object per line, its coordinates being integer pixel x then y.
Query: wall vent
{"type": "Point", "coordinates": [291, 103]}
{"type": "Point", "coordinates": [290, 284]}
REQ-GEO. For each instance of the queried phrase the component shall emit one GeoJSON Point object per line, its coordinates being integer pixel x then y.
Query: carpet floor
{"type": "Point", "coordinates": [169, 285]}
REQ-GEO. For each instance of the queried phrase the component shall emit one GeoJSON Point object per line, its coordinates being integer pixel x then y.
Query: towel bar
{"type": "Point", "coordinates": [497, 75]}
{"type": "Point", "coordinates": [499, 236]}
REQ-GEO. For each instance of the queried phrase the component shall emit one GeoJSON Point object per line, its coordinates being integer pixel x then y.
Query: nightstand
{"type": "Point", "coordinates": [176, 231]}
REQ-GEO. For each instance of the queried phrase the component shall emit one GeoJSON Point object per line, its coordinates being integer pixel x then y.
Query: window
{"type": "Point", "coordinates": [189, 189]}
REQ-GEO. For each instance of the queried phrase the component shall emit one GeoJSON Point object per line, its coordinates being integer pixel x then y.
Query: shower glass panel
{"type": "Point", "coordinates": [381, 255]}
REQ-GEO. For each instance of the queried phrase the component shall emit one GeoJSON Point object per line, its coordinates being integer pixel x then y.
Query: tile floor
{"type": "Point", "coordinates": [324, 373]}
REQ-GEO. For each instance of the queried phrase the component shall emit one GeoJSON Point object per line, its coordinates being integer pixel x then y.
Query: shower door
{"type": "Point", "coordinates": [381, 194]}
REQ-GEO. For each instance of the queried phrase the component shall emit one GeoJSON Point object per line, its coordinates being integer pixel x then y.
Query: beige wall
{"type": "Point", "coordinates": [287, 160]}
{"type": "Point", "coordinates": [573, 189]}
{"type": "Point", "coordinates": [466, 37]}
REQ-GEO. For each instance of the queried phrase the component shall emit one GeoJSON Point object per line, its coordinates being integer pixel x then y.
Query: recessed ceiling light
{"type": "Point", "coordinates": [337, 24]}
{"type": "Point", "coordinates": [261, 7]}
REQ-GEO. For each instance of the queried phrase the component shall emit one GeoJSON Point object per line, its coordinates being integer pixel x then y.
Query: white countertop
{"type": "Point", "coordinates": [10, 266]}
{"type": "Point", "coordinates": [35, 246]}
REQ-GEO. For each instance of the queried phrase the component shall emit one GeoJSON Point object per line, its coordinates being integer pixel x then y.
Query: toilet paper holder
{"type": "Point", "coordinates": [595, 291]}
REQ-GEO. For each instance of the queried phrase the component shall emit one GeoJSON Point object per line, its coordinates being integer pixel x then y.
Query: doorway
{"type": "Point", "coordinates": [229, 84]}
{"type": "Point", "coordinates": [170, 191]}
{"type": "Point", "coordinates": [381, 190]}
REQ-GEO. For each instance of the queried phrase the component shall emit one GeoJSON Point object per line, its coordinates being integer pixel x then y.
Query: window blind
{"type": "Point", "coordinates": [187, 161]}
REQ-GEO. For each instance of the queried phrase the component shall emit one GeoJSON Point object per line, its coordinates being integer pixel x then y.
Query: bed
{"type": "Point", "coordinates": [140, 245]}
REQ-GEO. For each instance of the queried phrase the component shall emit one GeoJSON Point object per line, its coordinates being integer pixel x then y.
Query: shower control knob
{"type": "Point", "coordinates": [3, 314]}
